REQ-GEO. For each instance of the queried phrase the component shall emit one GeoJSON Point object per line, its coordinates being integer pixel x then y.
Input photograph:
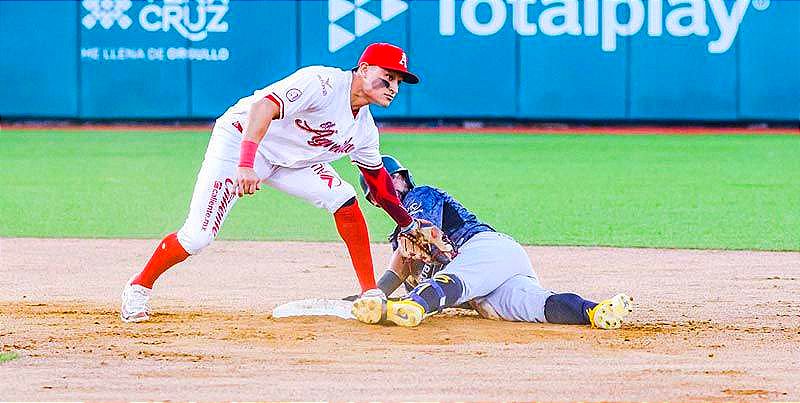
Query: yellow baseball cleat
{"type": "Point", "coordinates": [370, 306]}
{"type": "Point", "coordinates": [608, 314]}
{"type": "Point", "coordinates": [405, 312]}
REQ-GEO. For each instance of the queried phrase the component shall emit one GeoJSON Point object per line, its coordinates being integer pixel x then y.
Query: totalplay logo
{"type": "Point", "coordinates": [608, 19]}
{"type": "Point", "coordinates": [365, 21]}
{"type": "Point", "coordinates": [604, 18]}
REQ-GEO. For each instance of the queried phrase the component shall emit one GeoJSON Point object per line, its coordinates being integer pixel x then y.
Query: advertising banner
{"type": "Point", "coordinates": [637, 60]}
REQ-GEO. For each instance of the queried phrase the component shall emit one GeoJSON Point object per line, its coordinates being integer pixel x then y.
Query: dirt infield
{"type": "Point", "coordinates": [708, 325]}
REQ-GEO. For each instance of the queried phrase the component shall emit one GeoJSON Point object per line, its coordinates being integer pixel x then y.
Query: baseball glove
{"type": "Point", "coordinates": [425, 242]}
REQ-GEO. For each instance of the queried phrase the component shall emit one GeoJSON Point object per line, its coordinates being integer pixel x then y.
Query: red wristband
{"type": "Point", "coordinates": [247, 153]}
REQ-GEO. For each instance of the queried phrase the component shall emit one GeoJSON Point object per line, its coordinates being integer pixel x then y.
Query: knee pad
{"type": "Point", "coordinates": [441, 291]}
{"type": "Point", "coordinates": [194, 243]}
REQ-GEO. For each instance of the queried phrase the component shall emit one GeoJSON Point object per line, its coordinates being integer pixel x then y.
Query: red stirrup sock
{"type": "Point", "coordinates": [353, 230]}
{"type": "Point", "coordinates": [168, 253]}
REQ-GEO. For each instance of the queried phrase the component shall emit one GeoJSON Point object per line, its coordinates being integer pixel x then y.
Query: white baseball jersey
{"type": "Point", "coordinates": [315, 126]}
{"type": "Point", "coordinates": [315, 123]}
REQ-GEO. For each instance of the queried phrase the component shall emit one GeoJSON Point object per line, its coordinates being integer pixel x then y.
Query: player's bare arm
{"type": "Point", "coordinates": [400, 266]}
{"type": "Point", "coordinates": [261, 114]}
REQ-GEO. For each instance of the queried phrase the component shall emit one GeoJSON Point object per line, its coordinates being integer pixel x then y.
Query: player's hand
{"type": "Point", "coordinates": [248, 182]}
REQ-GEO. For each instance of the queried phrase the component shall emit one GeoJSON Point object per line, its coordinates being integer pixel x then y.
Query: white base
{"type": "Point", "coordinates": [314, 307]}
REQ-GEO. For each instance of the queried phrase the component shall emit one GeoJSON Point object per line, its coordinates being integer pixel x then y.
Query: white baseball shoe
{"type": "Point", "coordinates": [608, 314]}
{"type": "Point", "coordinates": [135, 303]}
{"type": "Point", "coordinates": [370, 306]}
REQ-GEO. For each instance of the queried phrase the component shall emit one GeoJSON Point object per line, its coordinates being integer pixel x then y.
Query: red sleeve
{"type": "Point", "coordinates": [382, 191]}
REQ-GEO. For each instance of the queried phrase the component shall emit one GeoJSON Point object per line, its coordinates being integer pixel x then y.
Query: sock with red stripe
{"type": "Point", "coordinates": [168, 253]}
{"type": "Point", "coordinates": [353, 229]}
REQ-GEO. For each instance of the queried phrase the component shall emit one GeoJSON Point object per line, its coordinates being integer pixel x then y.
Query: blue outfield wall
{"type": "Point", "coordinates": [662, 60]}
{"type": "Point", "coordinates": [38, 58]}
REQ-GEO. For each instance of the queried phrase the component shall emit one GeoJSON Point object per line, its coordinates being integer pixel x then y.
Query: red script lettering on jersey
{"type": "Point", "coordinates": [321, 137]}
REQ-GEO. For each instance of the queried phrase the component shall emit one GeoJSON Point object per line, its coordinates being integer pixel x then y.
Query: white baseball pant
{"type": "Point", "coordinates": [215, 190]}
{"type": "Point", "coordinates": [498, 278]}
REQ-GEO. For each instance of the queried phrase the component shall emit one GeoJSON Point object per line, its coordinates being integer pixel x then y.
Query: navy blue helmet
{"type": "Point", "coordinates": [392, 166]}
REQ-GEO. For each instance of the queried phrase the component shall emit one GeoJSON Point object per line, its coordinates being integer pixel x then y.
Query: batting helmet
{"type": "Point", "coordinates": [392, 166]}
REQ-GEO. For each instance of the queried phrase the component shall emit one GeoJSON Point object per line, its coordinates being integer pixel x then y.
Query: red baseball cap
{"type": "Point", "coordinates": [389, 57]}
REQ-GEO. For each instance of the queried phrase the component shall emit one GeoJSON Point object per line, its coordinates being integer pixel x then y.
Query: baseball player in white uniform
{"type": "Point", "coordinates": [285, 136]}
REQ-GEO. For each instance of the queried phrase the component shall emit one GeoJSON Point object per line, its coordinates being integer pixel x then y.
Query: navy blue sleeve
{"type": "Point", "coordinates": [426, 203]}
{"type": "Point", "coordinates": [422, 202]}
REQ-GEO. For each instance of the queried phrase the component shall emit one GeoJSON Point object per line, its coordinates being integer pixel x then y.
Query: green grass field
{"type": "Point", "coordinates": [4, 357]}
{"type": "Point", "coordinates": [730, 192]}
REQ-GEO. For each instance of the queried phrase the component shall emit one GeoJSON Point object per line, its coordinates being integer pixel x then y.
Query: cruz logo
{"type": "Point", "coordinates": [192, 19]}
{"type": "Point", "coordinates": [106, 12]}
{"type": "Point", "coordinates": [341, 11]}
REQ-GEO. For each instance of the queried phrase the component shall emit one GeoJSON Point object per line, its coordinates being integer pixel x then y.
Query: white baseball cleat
{"type": "Point", "coordinates": [135, 303]}
{"type": "Point", "coordinates": [608, 314]}
{"type": "Point", "coordinates": [370, 306]}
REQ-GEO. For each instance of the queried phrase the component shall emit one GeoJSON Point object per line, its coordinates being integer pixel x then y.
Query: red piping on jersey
{"type": "Point", "coordinates": [278, 102]}
{"type": "Point", "coordinates": [367, 166]}
{"type": "Point", "coordinates": [384, 194]}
